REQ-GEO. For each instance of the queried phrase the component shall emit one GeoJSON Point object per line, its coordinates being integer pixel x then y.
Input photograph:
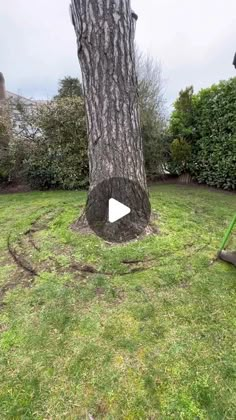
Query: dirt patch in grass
{"type": "Point", "coordinates": [25, 270]}
{"type": "Point", "coordinates": [19, 279]}
{"type": "Point", "coordinates": [20, 259]}
{"type": "Point", "coordinates": [17, 250]}
{"type": "Point", "coordinates": [89, 269]}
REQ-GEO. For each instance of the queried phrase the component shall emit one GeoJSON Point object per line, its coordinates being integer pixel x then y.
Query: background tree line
{"type": "Point", "coordinates": [46, 145]}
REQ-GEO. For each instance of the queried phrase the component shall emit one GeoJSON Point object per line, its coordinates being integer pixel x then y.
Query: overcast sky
{"type": "Point", "coordinates": [194, 40]}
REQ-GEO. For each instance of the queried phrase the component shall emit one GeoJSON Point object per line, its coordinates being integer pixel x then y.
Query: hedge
{"type": "Point", "coordinates": [213, 134]}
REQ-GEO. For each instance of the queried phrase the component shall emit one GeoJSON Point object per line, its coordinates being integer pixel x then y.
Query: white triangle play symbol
{"type": "Point", "coordinates": [117, 210]}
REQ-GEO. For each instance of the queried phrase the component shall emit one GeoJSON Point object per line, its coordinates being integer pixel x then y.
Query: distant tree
{"type": "Point", "coordinates": [69, 87]}
{"type": "Point", "coordinates": [153, 113]}
{"type": "Point", "coordinates": [182, 122]}
{"type": "Point", "coordinates": [151, 84]}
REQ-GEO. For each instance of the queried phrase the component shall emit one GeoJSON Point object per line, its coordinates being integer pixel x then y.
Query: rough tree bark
{"type": "Point", "coordinates": [105, 32]}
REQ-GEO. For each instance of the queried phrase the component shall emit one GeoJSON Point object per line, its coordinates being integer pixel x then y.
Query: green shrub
{"type": "Point", "coordinates": [215, 148]}
{"type": "Point", "coordinates": [180, 156]}
{"type": "Point", "coordinates": [213, 134]}
{"type": "Point", "coordinates": [215, 162]}
{"type": "Point", "coordinates": [5, 160]}
{"type": "Point", "coordinates": [183, 118]}
{"type": "Point", "coordinates": [58, 155]}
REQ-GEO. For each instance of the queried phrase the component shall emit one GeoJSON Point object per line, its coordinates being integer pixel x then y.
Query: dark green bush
{"type": "Point", "coordinates": [5, 160]}
{"type": "Point", "coordinates": [215, 161]}
{"type": "Point", "coordinates": [215, 148]}
{"type": "Point", "coordinates": [181, 152]}
{"type": "Point", "coordinates": [183, 118]}
{"type": "Point", "coordinates": [58, 155]}
{"type": "Point", "coordinates": [213, 134]}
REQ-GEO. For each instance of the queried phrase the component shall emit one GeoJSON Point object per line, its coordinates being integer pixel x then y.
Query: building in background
{"type": "Point", "coordinates": [5, 95]}
{"type": "Point", "coordinates": [9, 104]}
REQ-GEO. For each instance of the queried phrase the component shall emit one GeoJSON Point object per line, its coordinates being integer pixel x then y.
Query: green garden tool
{"type": "Point", "coordinates": [228, 256]}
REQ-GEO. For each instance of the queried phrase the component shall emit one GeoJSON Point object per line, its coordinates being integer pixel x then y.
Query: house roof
{"type": "Point", "coordinates": [23, 99]}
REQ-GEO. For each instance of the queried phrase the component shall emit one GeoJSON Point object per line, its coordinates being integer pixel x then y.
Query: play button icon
{"type": "Point", "coordinates": [117, 210]}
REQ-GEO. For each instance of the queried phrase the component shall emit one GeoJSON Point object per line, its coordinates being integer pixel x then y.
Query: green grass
{"type": "Point", "coordinates": [155, 344]}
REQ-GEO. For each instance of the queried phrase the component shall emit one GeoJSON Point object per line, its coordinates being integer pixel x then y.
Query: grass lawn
{"type": "Point", "coordinates": [140, 331]}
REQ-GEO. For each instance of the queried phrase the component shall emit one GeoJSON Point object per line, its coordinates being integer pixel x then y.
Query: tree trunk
{"type": "Point", "coordinates": [105, 35]}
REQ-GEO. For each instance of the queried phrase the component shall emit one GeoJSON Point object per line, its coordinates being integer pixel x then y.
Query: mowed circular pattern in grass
{"type": "Point", "coordinates": [142, 330]}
